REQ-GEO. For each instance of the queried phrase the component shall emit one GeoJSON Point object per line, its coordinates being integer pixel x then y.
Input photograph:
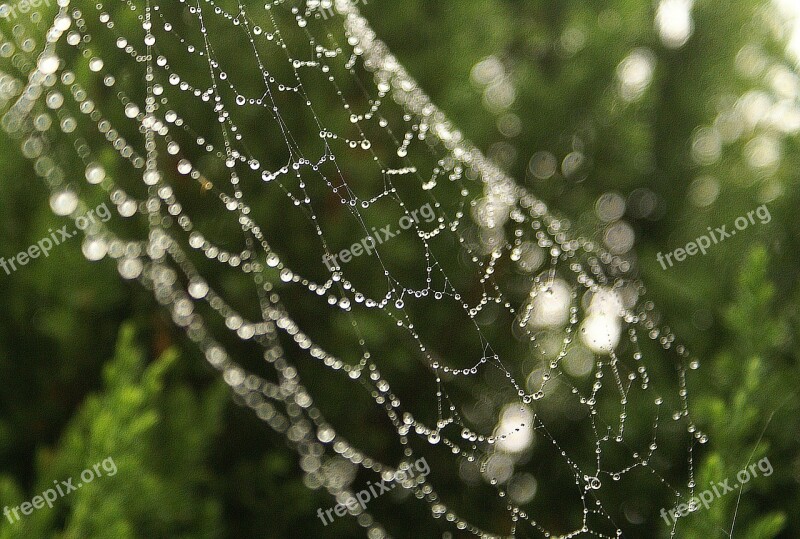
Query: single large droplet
{"type": "Point", "coordinates": [54, 100]}
{"type": "Point", "coordinates": [95, 64]}
{"type": "Point", "coordinates": [198, 289]}
{"type": "Point", "coordinates": [131, 110]}
{"type": "Point", "coordinates": [95, 173]}
{"type": "Point", "coordinates": [152, 177]}
{"type": "Point", "coordinates": [48, 63]}
{"type": "Point", "coordinates": [62, 22]}
{"type": "Point", "coordinates": [63, 202]}
{"type": "Point", "coordinates": [94, 248]}
{"type": "Point", "coordinates": [130, 268]}
{"type": "Point", "coordinates": [184, 166]}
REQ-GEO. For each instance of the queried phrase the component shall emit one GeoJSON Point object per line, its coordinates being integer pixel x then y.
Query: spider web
{"type": "Point", "coordinates": [246, 149]}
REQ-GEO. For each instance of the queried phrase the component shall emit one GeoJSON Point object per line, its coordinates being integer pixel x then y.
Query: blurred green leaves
{"type": "Point", "coordinates": [749, 411]}
{"type": "Point", "coordinates": [159, 432]}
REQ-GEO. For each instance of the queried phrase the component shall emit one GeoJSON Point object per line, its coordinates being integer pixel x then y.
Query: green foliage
{"type": "Point", "coordinates": [158, 431]}
{"type": "Point", "coordinates": [745, 422]}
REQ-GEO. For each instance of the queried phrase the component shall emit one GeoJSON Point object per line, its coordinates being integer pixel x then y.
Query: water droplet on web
{"type": "Point", "coordinates": [68, 124]}
{"type": "Point", "coordinates": [94, 248]}
{"type": "Point", "coordinates": [152, 177]}
{"type": "Point", "coordinates": [62, 22]}
{"type": "Point", "coordinates": [130, 268]}
{"type": "Point", "coordinates": [127, 208]}
{"type": "Point", "coordinates": [95, 64]}
{"type": "Point", "coordinates": [48, 63]}
{"type": "Point", "coordinates": [198, 289]}
{"type": "Point", "coordinates": [95, 173]}
{"type": "Point", "coordinates": [131, 110]}
{"type": "Point", "coordinates": [64, 202]}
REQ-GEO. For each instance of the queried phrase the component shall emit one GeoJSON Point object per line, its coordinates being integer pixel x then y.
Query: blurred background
{"type": "Point", "coordinates": [645, 122]}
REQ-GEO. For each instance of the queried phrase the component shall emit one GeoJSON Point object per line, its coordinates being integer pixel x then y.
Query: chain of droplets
{"type": "Point", "coordinates": [167, 25]}
{"type": "Point", "coordinates": [192, 48]}
{"type": "Point", "coordinates": [244, 327]}
{"type": "Point", "coordinates": [391, 73]}
{"type": "Point", "coordinates": [274, 261]}
{"type": "Point", "coordinates": [161, 279]}
{"type": "Point", "coordinates": [181, 311]}
{"type": "Point", "coordinates": [180, 306]}
{"type": "Point", "coordinates": [528, 202]}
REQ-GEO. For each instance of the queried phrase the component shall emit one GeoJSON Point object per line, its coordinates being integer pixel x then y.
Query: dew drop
{"type": "Point", "coordinates": [94, 248]}
{"type": "Point", "coordinates": [95, 173]}
{"type": "Point", "coordinates": [64, 202]}
{"type": "Point", "coordinates": [48, 63]}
